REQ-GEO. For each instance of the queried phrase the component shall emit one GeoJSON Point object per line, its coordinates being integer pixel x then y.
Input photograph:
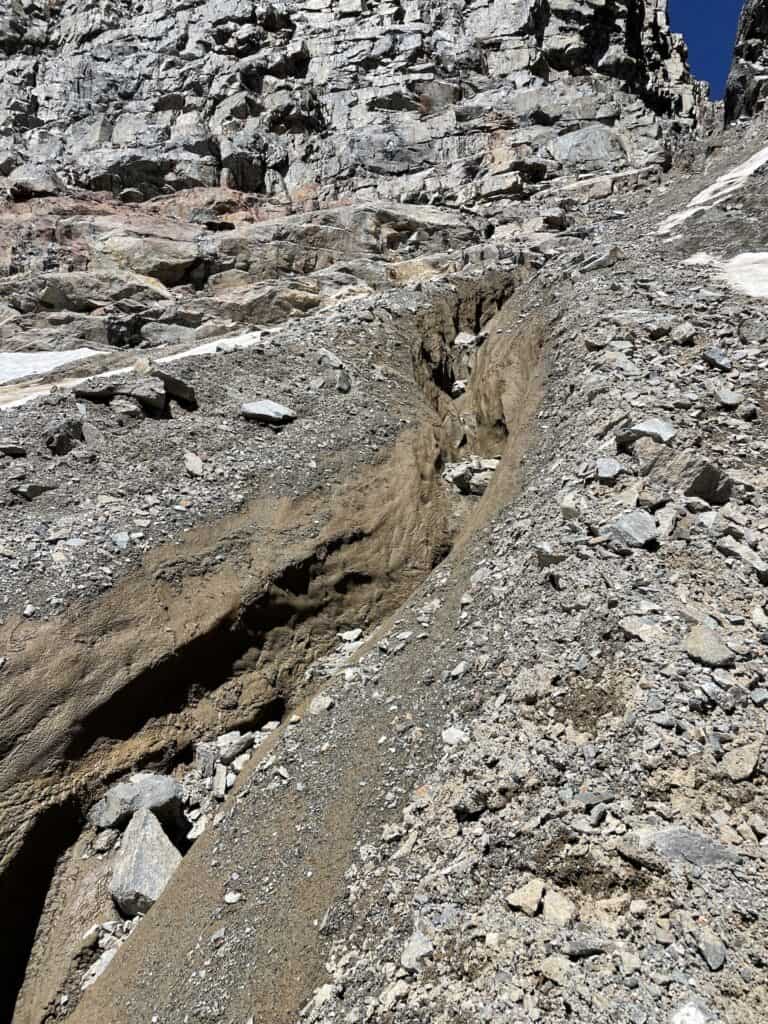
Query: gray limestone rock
{"type": "Point", "coordinates": [267, 411]}
{"type": "Point", "coordinates": [704, 645]}
{"type": "Point", "coordinates": [144, 790]}
{"type": "Point", "coordinates": [691, 475]}
{"type": "Point", "coordinates": [635, 529]}
{"type": "Point", "coordinates": [232, 744]}
{"type": "Point", "coordinates": [144, 864]}
{"type": "Point", "coordinates": [744, 553]}
{"type": "Point", "coordinates": [740, 763]}
{"type": "Point", "coordinates": [693, 847]}
{"type": "Point", "coordinates": [654, 428]}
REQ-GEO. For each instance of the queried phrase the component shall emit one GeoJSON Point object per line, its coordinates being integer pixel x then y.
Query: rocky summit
{"type": "Point", "coordinates": [384, 534]}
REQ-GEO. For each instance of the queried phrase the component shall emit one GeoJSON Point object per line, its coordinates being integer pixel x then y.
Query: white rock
{"type": "Point", "coordinates": [321, 703]}
{"type": "Point", "coordinates": [453, 737]}
{"type": "Point", "coordinates": [193, 464]}
{"type": "Point", "coordinates": [267, 411]}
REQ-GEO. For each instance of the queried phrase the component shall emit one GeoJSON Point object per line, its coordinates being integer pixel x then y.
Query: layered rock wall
{"type": "Point", "coordinates": [315, 100]}
{"type": "Point", "coordinates": [748, 78]}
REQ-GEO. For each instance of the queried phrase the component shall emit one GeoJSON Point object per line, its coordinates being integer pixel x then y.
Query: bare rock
{"type": "Point", "coordinates": [267, 411]}
{"type": "Point", "coordinates": [703, 645]}
{"type": "Point", "coordinates": [143, 791]}
{"type": "Point", "coordinates": [144, 865]}
{"type": "Point", "coordinates": [528, 897]}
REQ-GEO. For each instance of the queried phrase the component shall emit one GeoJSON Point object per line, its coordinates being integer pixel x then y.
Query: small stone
{"type": "Point", "coordinates": [740, 763]}
{"type": "Point", "coordinates": [148, 392]}
{"type": "Point", "coordinates": [105, 840]}
{"type": "Point", "coordinates": [320, 704]}
{"type": "Point", "coordinates": [232, 744]}
{"type": "Point", "coordinates": [198, 828]}
{"type": "Point", "coordinates": [527, 897]}
{"type": "Point", "coordinates": [557, 968]}
{"type": "Point", "coordinates": [656, 429]}
{"type": "Point", "coordinates": [417, 947]}
{"type": "Point", "coordinates": [735, 549]}
{"type": "Point", "coordinates": [684, 334]}
{"type": "Point", "coordinates": [711, 948]}
{"type": "Point", "coordinates": [351, 636]}
{"type": "Point", "coordinates": [690, 1013]}
{"type": "Point", "coordinates": [343, 382]}
{"type": "Point", "coordinates": [267, 411]}
{"type": "Point", "coordinates": [32, 490]}
{"type": "Point", "coordinates": [176, 387]}
{"type": "Point", "coordinates": [703, 645]}
{"type": "Point", "coordinates": [546, 555]}
{"type": "Point", "coordinates": [193, 464]}
{"type": "Point", "coordinates": [12, 449]}
{"type": "Point", "coordinates": [453, 737]}
{"type": "Point", "coordinates": [638, 628]}
{"type": "Point", "coordinates": [220, 782]}
{"type": "Point", "coordinates": [206, 755]}
{"type": "Point", "coordinates": [393, 994]}
{"type": "Point", "coordinates": [558, 909]}
{"type": "Point", "coordinates": [635, 529]}
{"type": "Point", "coordinates": [728, 399]}
{"type": "Point", "coordinates": [694, 847]}
{"type": "Point", "coordinates": [717, 359]}
{"type": "Point", "coordinates": [96, 969]}
{"type": "Point", "coordinates": [608, 470]}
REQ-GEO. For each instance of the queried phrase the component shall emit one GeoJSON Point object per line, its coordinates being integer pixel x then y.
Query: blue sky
{"type": "Point", "coordinates": [709, 27]}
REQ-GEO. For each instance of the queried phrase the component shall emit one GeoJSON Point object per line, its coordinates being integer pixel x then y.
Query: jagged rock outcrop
{"type": "Point", "coordinates": [748, 79]}
{"type": "Point", "coordinates": [309, 101]}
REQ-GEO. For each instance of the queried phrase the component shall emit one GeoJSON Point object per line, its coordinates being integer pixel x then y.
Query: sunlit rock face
{"type": "Point", "coordinates": [748, 79]}
{"type": "Point", "coordinates": [307, 101]}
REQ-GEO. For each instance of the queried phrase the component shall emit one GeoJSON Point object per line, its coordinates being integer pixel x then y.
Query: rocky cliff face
{"type": "Point", "coordinates": [748, 78]}
{"type": "Point", "coordinates": [305, 101]}
{"type": "Point", "coordinates": [393, 624]}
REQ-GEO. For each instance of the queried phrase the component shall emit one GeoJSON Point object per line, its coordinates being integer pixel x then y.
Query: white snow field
{"type": "Point", "coordinates": [22, 364]}
{"type": "Point", "coordinates": [746, 273]}
{"type": "Point", "coordinates": [725, 186]}
{"type": "Point", "coordinates": [16, 365]}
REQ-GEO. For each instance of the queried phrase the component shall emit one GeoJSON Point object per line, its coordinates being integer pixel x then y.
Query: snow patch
{"type": "Point", "coordinates": [219, 346]}
{"type": "Point", "coordinates": [746, 273]}
{"type": "Point", "coordinates": [725, 186]}
{"type": "Point", "coordinates": [16, 365]}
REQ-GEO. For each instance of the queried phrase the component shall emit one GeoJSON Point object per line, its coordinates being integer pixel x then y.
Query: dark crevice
{"type": "Point", "coordinates": [24, 886]}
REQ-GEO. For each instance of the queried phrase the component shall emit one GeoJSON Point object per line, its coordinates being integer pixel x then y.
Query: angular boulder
{"type": "Point", "coordinates": [142, 791]}
{"type": "Point", "coordinates": [144, 865]}
{"type": "Point", "coordinates": [691, 475]}
{"type": "Point", "coordinates": [267, 411]}
{"type": "Point", "coordinates": [704, 645]}
{"type": "Point", "coordinates": [635, 529]}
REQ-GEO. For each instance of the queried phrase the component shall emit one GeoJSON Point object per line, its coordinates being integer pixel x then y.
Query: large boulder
{"type": "Point", "coordinates": [144, 864]}
{"type": "Point", "coordinates": [142, 791]}
{"type": "Point", "coordinates": [689, 474]}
